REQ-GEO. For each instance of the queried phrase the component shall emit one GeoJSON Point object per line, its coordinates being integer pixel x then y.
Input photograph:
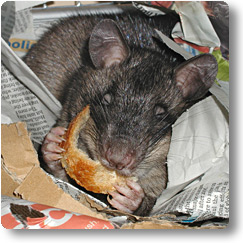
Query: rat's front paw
{"type": "Point", "coordinates": [127, 199]}
{"type": "Point", "coordinates": [50, 149]}
{"type": "Point", "coordinates": [51, 152]}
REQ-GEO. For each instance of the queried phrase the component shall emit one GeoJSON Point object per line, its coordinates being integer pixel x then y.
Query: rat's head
{"type": "Point", "coordinates": [135, 95]}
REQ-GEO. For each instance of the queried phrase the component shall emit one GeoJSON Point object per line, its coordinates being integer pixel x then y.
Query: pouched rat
{"type": "Point", "coordinates": [136, 88]}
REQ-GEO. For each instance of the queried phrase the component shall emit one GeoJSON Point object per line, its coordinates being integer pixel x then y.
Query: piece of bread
{"type": "Point", "coordinates": [90, 174]}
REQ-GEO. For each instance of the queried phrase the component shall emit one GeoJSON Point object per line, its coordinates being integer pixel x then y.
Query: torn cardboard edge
{"type": "Point", "coordinates": [31, 183]}
{"type": "Point", "coordinates": [15, 165]}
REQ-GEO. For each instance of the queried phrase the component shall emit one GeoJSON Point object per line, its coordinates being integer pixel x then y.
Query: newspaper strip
{"type": "Point", "coordinates": [27, 95]}
{"type": "Point", "coordinates": [172, 45]}
{"type": "Point", "coordinates": [7, 19]}
{"type": "Point", "coordinates": [23, 21]}
{"type": "Point", "coordinates": [196, 25]}
{"type": "Point", "coordinates": [26, 105]}
{"type": "Point", "coordinates": [202, 202]}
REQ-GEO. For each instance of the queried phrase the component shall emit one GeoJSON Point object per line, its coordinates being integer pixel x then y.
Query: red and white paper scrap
{"type": "Point", "coordinates": [21, 214]}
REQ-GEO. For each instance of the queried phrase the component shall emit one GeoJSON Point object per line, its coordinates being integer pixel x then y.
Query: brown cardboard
{"type": "Point", "coordinates": [17, 150]}
{"type": "Point", "coordinates": [22, 175]}
{"type": "Point", "coordinates": [38, 187]}
{"type": "Point", "coordinates": [8, 183]}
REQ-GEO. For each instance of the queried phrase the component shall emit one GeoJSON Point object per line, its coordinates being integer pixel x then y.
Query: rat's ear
{"type": "Point", "coordinates": [195, 76]}
{"type": "Point", "coordinates": [107, 45]}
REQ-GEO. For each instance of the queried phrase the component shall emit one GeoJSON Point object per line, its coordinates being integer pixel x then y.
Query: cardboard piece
{"type": "Point", "coordinates": [7, 182]}
{"type": "Point", "coordinates": [23, 177]}
{"type": "Point", "coordinates": [17, 150]}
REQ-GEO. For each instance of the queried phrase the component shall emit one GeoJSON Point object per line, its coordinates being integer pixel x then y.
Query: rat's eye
{"type": "Point", "coordinates": [159, 111]}
{"type": "Point", "coordinates": [107, 99]}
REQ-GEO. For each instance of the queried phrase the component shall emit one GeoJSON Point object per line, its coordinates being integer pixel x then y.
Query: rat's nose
{"type": "Point", "coordinates": [120, 157]}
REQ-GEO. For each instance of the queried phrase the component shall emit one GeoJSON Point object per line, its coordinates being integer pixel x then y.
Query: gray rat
{"type": "Point", "coordinates": [136, 88]}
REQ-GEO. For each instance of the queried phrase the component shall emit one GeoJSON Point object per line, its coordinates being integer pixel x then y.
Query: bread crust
{"type": "Point", "coordinates": [88, 173]}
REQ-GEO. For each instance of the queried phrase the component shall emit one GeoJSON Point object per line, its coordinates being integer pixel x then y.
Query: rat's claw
{"type": "Point", "coordinates": [51, 148]}
{"type": "Point", "coordinates": [51, 157]}
{"type": "Point", "coordinates": [58, 130]}
{"type": "Point", "coordinates": [51, 152]}
{"type": "Point", "coordinates": [55, 135]}
{"type": "Point", "coordinates": [51, 137]}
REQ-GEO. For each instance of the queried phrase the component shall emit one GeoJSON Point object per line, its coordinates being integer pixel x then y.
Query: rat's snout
{"type": "Point", "coordinates": [120, 156]}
